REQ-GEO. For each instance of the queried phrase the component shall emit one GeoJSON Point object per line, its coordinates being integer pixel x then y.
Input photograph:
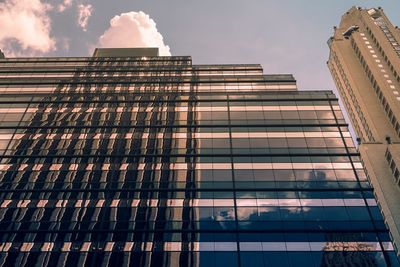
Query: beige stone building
{"type": "Point", "coordinates": [365, 65]}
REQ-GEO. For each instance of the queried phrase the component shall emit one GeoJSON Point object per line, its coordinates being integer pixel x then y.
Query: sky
{"type": "Point", "coordinates": [284, 36]}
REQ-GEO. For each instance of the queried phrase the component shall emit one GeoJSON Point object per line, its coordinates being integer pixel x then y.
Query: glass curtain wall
{"type": "Point", "coordinates": [155, 162]}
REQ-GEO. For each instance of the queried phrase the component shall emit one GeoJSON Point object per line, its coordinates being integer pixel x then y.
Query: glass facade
{"type": "Point", "coordinates": [157, 162]}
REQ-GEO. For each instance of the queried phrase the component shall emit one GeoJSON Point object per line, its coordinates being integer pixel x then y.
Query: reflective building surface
{"type": "Point", "coordinates": [153, 161]}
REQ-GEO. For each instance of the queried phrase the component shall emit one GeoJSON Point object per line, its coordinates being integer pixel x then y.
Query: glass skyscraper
{"type": "Point", "coordinates": [131, 159]}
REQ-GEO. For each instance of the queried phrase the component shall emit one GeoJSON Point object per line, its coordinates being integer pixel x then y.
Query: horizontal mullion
{"type": "Point", "coordinates": [284, 230]}
{"type": "Point", "coordinates": [173, 126]}
{"type": "Point", "coordinates": [159, 101]}
{"type": "Point", "coordinates": [190, 190]}
{"type": "Point", "coordinates": [187, 155]}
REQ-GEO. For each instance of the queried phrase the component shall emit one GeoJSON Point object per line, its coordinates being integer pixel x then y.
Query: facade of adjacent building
{"type": "Point", "coordinates": [365, 64]}
{"type": "Point", "coordinates": [121, 160]}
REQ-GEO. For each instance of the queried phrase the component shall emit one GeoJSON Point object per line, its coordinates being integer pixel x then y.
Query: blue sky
{"type": "Point", "coordinates": [284, 36]}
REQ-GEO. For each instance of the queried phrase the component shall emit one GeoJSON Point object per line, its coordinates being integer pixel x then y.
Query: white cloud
{"type": "Point", "coordinates": [25, 27]}
{"type": "Point", "coordinates": [84, 13]}
{"type": "Point", "coordinates": [66, 4]}
{"type": "Point", "coordinates": [133, 29]}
